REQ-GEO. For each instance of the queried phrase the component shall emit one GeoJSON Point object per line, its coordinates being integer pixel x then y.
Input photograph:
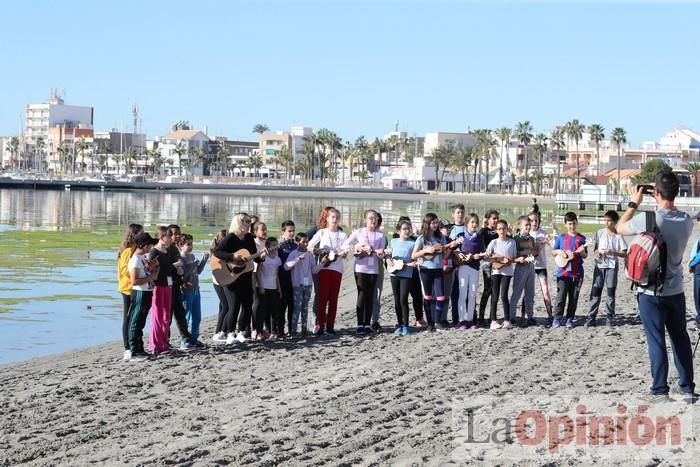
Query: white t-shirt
{"type": "Point", "coordinates": [541, 258]}
{"type": "Point", "coordinates": [268, 272]}
{"type": "Point", "coordinates": [331, 241]}
{"type": "Point", "coordinates": [503, 248]}
{"type": "Point", "coordinates": [138, 263]}
{"type": "Point", "coordinates": [614, 242]}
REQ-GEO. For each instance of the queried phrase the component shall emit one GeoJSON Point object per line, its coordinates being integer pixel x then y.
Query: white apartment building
{"type": "Point", "coordinates": [189, 140]}
{"type": "Point", "coordinates": [53, 113]}
{"type": "Point", "coordinates": [298, 133]}
{"type": "Point", "coordinates": [435, 139]}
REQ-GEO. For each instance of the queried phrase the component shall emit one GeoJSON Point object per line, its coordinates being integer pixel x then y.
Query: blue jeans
{"type": "Point", "coordinates": [302, 295]}
{"type": "Point", "coordinates": [696, 293]}
{"type": "Point", "coordinates": [193, 310]}
{"type": "Point", "coordinates": [661, 314]}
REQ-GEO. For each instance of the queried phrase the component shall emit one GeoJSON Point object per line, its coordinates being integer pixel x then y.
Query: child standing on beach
{"type": "Point", "coordinates": [608, 245]}
{"type": "Point", "coordinates": [571, 248]}
{"type": "Point", "coordinates": [161, 305]}
{"type": "Point", "coordinates": [542, 239]}
{"type": "Point", "coordinates": [524, 275]}
{"type": "Point", "coordinates": [269, 292]}
{"type": "Point", "coordinates": [126, 250]}
{"type": "Point", "coordinates": [140, 276]}
{"type": "Point", "coordinates": [192, 268]}
{"type": "Point", "coordinates": [302, 265]}
{"type": "Point", "coordinates": [469, 255]}
{"type": "Point", "coordinates": [220, 330]}
{"type": "Point", "coordinates": [501, 252]}
{"type": "Point", "coordinates": [402, 278]}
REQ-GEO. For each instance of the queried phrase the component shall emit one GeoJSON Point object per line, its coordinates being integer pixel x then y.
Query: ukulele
{"type": "Point", "coordinates": [463, 258]}
{"type": "Point", "coordinates": [227, 272]}
{"type": "Point", "coordinates": [439, 248]}
{"type": "Point", "coordinates": [563, 260]}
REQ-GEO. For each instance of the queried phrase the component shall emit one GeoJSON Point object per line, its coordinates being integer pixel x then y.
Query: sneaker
{"type": "Point", "coordinates": [464, 325]}
{"type": "Point", "coordinates": [360, 330]}
{"type": "Point", "coordinates": [230, 338]}
{"type": "Point", "coordinates": [474, 325]}
{"type": "Point", "coordinates": [431, 327]}
{"type": "Point", "coordinates": [590, 323]}
{"type": "Point", "coordinates": [495, 325]}
{"type": "Point", "coordinates": [656, 398]}
{"type": "Point", "coordinates": [139, 357]}
{"type": "Point", "coordinates": [404, 331]}
{"type": "Point", "coordinates": [555, 323]}
{"type": "Point", "coordinates": [330, 331]}
{"type": "Point", "coordinates": [273, 337]}
{"type": "Point", "coordinates": [506, 325]}
{"type": "Point", "coordinates": [197, 345]}
{"type": "Point", "coordinates": [398, 330]}
{"type": "Point", "coordinates": [240, 337]}
{"type": "Point", "coordinates": [184, 346]}
{"type": "Point", "coordinates": [127, 355]}
{"type": "Point", "coordinates": [420, 323]}
{"type": "Point", "coordinates": [609, 323]}
{"type": "Point", "coordinates": [569, 324]}
{"type": "Point", "coordinates": [687, 397]}
{"type": "Point", "coordinates": [531, 322]}
{"type": "Point", "coordinates": [376, 327]}
{"type": "Point", "coordinates": [318, 330]}
{"type": "Point", "coordinates": [219, 338]}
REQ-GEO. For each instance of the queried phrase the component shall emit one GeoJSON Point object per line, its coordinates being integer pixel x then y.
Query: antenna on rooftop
{"type": "Point", "coordinates": [135, 113]}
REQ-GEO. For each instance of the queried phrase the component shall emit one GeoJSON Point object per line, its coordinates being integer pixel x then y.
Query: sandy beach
{"type": "Point", "coordinates": [320, 401]}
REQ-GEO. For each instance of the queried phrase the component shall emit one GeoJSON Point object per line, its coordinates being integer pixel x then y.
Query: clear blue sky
{"type": "Point", "coordinates": [356, 67]}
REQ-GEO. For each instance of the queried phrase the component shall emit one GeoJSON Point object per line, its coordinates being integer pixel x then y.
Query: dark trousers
{"type": "Point", "coordinates": [269, 309]}
{"type": "Point", "coordinates": [287, 301]}
{"type": "Point", "coordinates": [661, 314]}
{"type": "Point", "coordinates": [696, 293]}
{"type": "Point", "coordinates": [365, 297]}
{"type": "Point", "coordinates": [433, 295]}
{"type": "Point", "coordinates": [486, 293]}
{"type": "Point", "coordinates": [499, 287]}
{"type": "Point", "coordinates": [223, 308]}
{"type": "Point", "coordinates": [126, 304]}
{"type": "Point", "coordinates": [239, 298]}
{"type": "Point", "coordinates": [454, 297]}
{"type": "Point", "coordinates": [416, 295]}
{"type": "Point", "coordinates": [179, 313]}
{"type": "Point", "coordinates": [401, 286]}
{"type": "Point", "coordinates": [568, 290]}
{"type": "Point", "coordinates": [140, 304]}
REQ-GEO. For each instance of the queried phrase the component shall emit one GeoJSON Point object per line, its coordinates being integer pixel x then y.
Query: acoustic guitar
{"type": "Point", "coordinates": [227, 272]}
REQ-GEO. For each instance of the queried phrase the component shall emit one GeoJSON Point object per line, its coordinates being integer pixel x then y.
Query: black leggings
{"type": "Point", "coordinates": [223, 308]}
{"type": "Point", "coordinates": [485, 294]}
{"type": "Point", "coordinates": [499, 286]}
{"type": "Point", "coordinates": [365, 297]}
{"type": "Point", "coordinates": [417, 295]}
{"type": "Point", "coordinates": [269, 311]}
{"type": "Point", "coordinates": [239, 296]}
{"type": "Point", "coordinates": [401, 287]}
{"type": "Point", "coordinates": [126, 303]}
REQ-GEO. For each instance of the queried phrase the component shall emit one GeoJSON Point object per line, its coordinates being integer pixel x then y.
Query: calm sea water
{"type": "Point", "coordinates": [67, 307]}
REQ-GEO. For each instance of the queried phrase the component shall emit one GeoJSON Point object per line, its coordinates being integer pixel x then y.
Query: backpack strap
{"type": "Point", "coordinates": [651, 225]}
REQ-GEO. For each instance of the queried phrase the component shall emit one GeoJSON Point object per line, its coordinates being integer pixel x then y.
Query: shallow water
{"type": "Point", "coordinates": [47, 308]}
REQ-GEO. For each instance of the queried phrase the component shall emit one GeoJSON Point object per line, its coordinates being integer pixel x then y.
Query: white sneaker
{"type": "Point", "coordinates": [127, 355]}
{"type": "Point", "coordinates": [219, 337]}
{"type": "Point", "coordinates": [240, 337]}
{"type": "Point", "coordinates": [184, 345]}
{"type": "Point", "coordinates": [230, 338]}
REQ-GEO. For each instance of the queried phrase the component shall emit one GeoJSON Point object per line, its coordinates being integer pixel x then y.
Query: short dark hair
{"type": "Point", "coordinates": [492, 212]}
{"type": "Point", "coordinates": [612, 215]}
{"type": "Point", "coordinates": [667, 185]}
{"type": "Point", "coordinates": [269, 241]}
{"type": "Point", "coordinates": [173, 227]}
{"type": "Point", "coordinates": [454, 207]}
{"type": "Point", "coordinates": [570, 217]}
{"type": "Point", "coordinates": [287, 223]}
{"type": "Point", "coordinates": [185, 239]}
{"type": "Point", "coordinates": [299, 236]}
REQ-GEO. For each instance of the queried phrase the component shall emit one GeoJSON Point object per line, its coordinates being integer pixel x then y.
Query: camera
{"type": "Point", "coordinates": [646, 189]}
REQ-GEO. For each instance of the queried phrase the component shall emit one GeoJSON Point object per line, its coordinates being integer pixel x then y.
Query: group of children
{"type": "Point", "coordinates": [441, 263]}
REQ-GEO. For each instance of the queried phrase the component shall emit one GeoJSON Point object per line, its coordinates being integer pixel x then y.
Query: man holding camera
{"type": "Point", "coordinates": [665, 311]}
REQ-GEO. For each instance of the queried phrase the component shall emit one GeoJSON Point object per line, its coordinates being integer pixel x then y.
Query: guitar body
{"type": "Point", "coordinates": [397, 266]}
{"type": "Point", "coordinates": [563, 261]}
{"type": "Point", "coordinates": [226, 272]}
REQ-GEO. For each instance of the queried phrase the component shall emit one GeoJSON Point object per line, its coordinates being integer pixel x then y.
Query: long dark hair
{"type": "Point", "coordinates": [425, 228]}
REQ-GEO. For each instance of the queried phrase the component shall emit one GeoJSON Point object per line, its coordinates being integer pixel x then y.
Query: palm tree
{"type": "Point", "coordinates": [462, 162]}
{"type": "Point", "coordinates": [556, 141]}
{"type": "Point", "coordinates": [692, 168]}
{"type": "Point", "coordinates": [179, 150]}
{"type": "Point", "coordinates": [541, 150]}
{"type": "Point", "coordinates": [222, 156]}
{"type": "Point", "coordinates": [309, 150]}
{"type": "Point", "coordinates": [39, 150]}
{"type": "Point", "coordinates": [254, 162]}
{"type": "Point", "coordinates": [62, 155]}
{"type": "Point", "coordinates": [157, 160]}
{"type": "Point", "coordinates": [597, 133]}
{"type": "Point", "coordinates": [618, 137]}
{"type": "Point", "coordinates": [439, 158]}
{"type": "Point", "coordinates": [332, 142]}
{"type": "Point", "coordinates": [574, 130]}
{"type": "Point", "coordinates": [261, 128]}
{"type": "Point", "coordinates": [130, 157]}
{"type": "Point", "coordinates": [362, 147]}
{"type": "Point", "coordinates": [523, 131]}
{"type": "Point", "coordinates": [81, 146]}
{"type": "Point", "coordinates": [13, 147]}
{"type": "Point", "coordinates": [503, 134]}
